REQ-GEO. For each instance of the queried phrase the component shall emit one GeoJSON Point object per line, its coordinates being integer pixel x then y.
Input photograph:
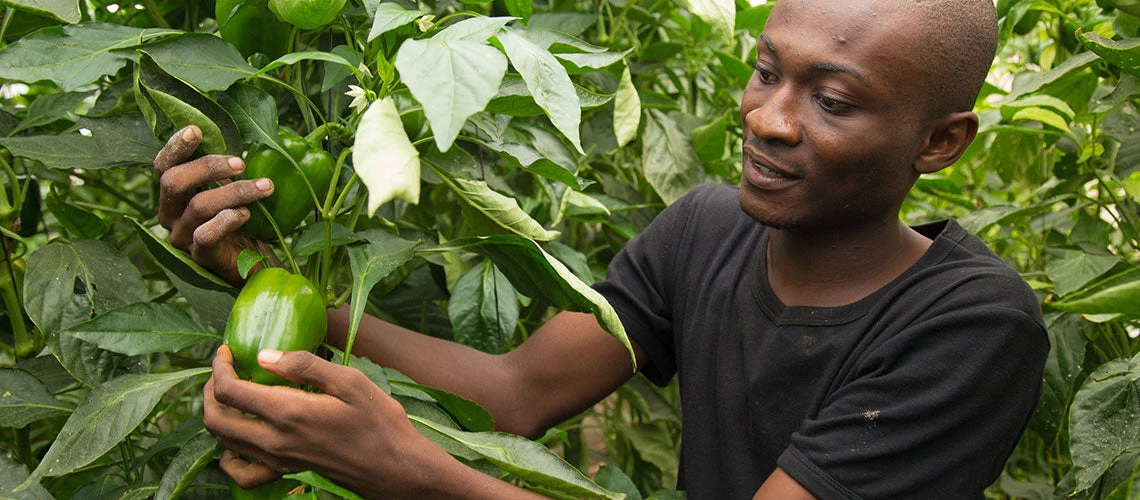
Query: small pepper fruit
{"type": "Point", "coordinates": [252, 28]}
{"type": "Point", "coordinates": [291, 200]}
{"type": "Point", "coordinates": [307, 14]}
{"type": "Point", "coordinates": [276, 310]}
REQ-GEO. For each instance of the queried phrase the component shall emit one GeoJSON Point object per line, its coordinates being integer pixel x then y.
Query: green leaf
{"type": "Point", "coordinates": [1066, 357]}
{"type": "Point", "coordinates": [1042, 115]}
{"type": "Point", "coordinates": [183, 105]}
{"type": "Point", "coordinates": [335, 73]}
{"type": "Point", "coordinates": [453, 79]}
{"type": "Point", "coordinates": [1033, 82]}
{"type": "Point", "coordinates": [63, 10]}
{"type": "Point", "coordinates": [653, 444]}
{"type": "Point", "coordinates": [1042, 101]}
{"type": "Point", "coordinates": [548, 83]}
{"type": "Point", "coordinates": [531, 160]}
{"type": "Point", "coordinates": [70, 282]}
{"type": "Point", "coordinates": [627, 110]}
{"type": "Point", "coordinates": [719, 14]}
{"type": "Point", "coordinates": [142, 328]}
{"type": "Point", "coordinates": [371, 262]}
{"type": "Point", "coordinates": [468, 413]}
{"type": "Point", "coordinates": [577, 64]}
{"type": "Point", "coordinates": [206, 62]}
{"type": "Point", "coordinates": [72, 56]}
{"type": "Point", "coordinates": [520, 8]}
{"type": "Point", "coordinates": [190, 460]}
{"type": "Point", "coordinates": [391, 15]}
{"type": "Point", "coordinates": [172, 440]}
{"type": "Point", "coordinates": [384, 158]}
{"type": "Point", "coordinates": [77, 221]}
{"type": "Point", "coordinates": [1103, 419]}
{"type": "Point", "coordinates": [25, 399]}
{"type": "Point", "coordinates": [514, 98]}
{"type": "Point", "coordinates": [254, 112]}
{"type": "Point", "coordinates": [1124, 53]}
{"type": "Point", "coordinates": [115, 141]}
{"type": "Point", "coordinates": [1129, 489]}
{"type": "Point", "coordinates": [613, 479]}
{"type": "Point", "coordinates": [524, 458]}
{"type": "Point", "coordinates": [668, 159]}
{"type": "Point", "coordinates": [475, 29]}
{"type": "Point", "coordinates": [108, 414]}
{"type": "Point", "coordinates": [49, 108]}
{"type": "Point", "coordinates": [246, 260]}
{"type": "Point", "coordinates": [312, 238]}
{"type": "Point", "coordinates": [12, 473]}
{"type": "Point", "coordinates": [537, 274]}
{"type": "Point", "coordinates": [1073, 270]}
{"type": "Point", "coordinates": [317, 481]}
{"type": "Point", "coordinates": [483, 309]}
{"type": "Point", "coordinates": [493, 212]}
{"type": "Point", "coordinates": [297, 57]}
{"type": "Point", "coordinates": [1121, 297]}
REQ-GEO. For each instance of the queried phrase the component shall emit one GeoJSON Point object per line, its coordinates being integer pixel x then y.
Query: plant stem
{"type": "Point", "coordinates": [154, 14]}
{"type": "Point", "coordinates": [4, 27]}
{"type": "Point", "coordinates": [113, 191]}
{"type": "Point", "coordinates": [24, 344]}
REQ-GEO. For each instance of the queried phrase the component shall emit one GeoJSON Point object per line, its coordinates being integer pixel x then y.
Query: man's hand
{"type": "Point", "coordinates": [204, 223]}
{"type": "Point", "coordinates": [353, 433]}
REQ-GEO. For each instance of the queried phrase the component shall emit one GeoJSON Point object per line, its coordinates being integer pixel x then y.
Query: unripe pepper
{"type": "Point", "coordinates": [307, 14]}
{"type": "Point", "coordinates": [277, 310]}
{"type": "Point", "coordinates": [291, 200]}
{"type": "Point", "coordinates": [252, 28]}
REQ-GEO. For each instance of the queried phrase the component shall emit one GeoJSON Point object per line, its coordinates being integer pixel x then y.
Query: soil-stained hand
{"type": "Point", "coordinates": [205, 222]}
{"type": "Point", "coordinates": [351, 432]}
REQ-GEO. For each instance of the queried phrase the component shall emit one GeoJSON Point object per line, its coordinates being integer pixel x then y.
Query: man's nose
{"type": "Point", "coordinates": [775, 118]}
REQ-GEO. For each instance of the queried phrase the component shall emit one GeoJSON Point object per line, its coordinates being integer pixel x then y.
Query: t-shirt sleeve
{"type": "Point", "coordinates": [639, 284]}
{"type": "Point", "coordinates": [928, 408]}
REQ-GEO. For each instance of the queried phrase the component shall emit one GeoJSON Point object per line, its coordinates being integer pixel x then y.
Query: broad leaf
{"type": "Point", "coordinates": [371, 262]}
{"type": "Point", "coordinates": [668, 159]}
{"type": "Point", "coordinates": [79, 222]}
{"type": "Point", "coordinates": [114, 141]}
{"type": "Point", "coordinates": [719, 14]}
{"type": "Point", "coordinates": [483, 309]}
{"type": "Point", "coordinates": [526, 157]}
{"type": "Point", "coordinates": [64, 10]}
{"type": "Point", "coordinates": [391, 15]}
{"type": "Point", "coordinates": [627, 110]}
{"type": "Point", "coordinates": [172, 440]}
{"type": "Point", "coordinates": [104, 418]}
{"type": "Point", "coordinates": [254, 112]}
{"type": "Point", "coordinates": [548, 83]}
{"type": "Point", "coordinates": [319, 482]}
{"type": "Point", "coordinates": [311, 238]}
{"type": "Point", "coordinates": [1124, 53]}
{"type": "Point", "coordinates": [206, 62]}
{"type": "Point", "coordinates": [453, 79]}
{"type": "Point", "coordinates": [1103, 419]}
{"type": "Point", "coordinates": [384, 158]}
{"type": "Point", "coordinates": [1066, 357]}
{"type": "Point", "coordinates": [1076, 269]}
{"type": "Point", "coordinates": [613, 479]}
{"type": "Point", "coordinates": [475, 29]}
{"type": "Point", "coordinates": [536, 274]}
{"type": "Point", "coordinates": [492, 212]}
{"type": "Point", "coordinates": [515, 99]}
{"type": "Point", "coordinates": [182, 105]}
{"type": "Point", "coordinates": [72, 56]}
{"type": "Point", "coordinates": [12, 473]}
{"type": "Point", "coordinates": [25, 399]}
{"type": "Point", "coordinates": [142, 328]}
{"type": "Point", "coordinates": [468, 413]}
{"type": "Point", "coordinates": [296, 57]}
{"type": "Point", "coordinates": [1122, 298]}
{"type": "Point", "coordinates": [525, 459]}
{"type": "Point", "coordinates": [576, 64]}
{"type": "Point", "coordinates": [190, 460]}
{"type": "Point", "coordinates": [70, 282]}
{"type": "Point", "coordinates": [49, 108]}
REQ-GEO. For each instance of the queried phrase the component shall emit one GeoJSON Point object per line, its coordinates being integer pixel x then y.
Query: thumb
{"type": "Point", "coordinates": [307, 368]}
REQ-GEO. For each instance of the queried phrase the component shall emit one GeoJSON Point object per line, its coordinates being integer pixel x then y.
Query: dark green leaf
{"type": "Point", "coordinates": [468, 413]}
{"type": "Point", "coordinates": [577, 64]}
{"type": "Point", "coordinates": [335, 73]}
{"type": "Point", "coordinates": [104, 418]}
{"type": "Point", "coordinates": [49, 108]}
{"type": "Point", "coordinates": [190, 460]}
{"type": "Point", "coordinates": [311, 239]}
{"type": "Point", "coordinates": [297, 57]}
{"type": "Point", "coordinates": [669, 162]}
{"type": "Point", "coordinates": [64, 10]}
{"type": "Point", "coordinates": [317, 481]}
{"type": "Point", "coordinates": [613, 479]}
{"type": "Point", "coordinates": [72, 56]}
{"type": "Point", "coordinates": [142, 328]}
{"type": "Point", "coordinates": [77, 221]}
{"type": "Point", "coordinates": [254, 112]}
{"type": "Point", "coordinates": [70, 282]}
{"type": "Point", "coordinates": [493, 212]}
{"type": "Point", "coordinates": [523, 458]}
{"type": "Point", "coordinates": [246, 260]}
{"type": "Point", "coordinates": [24, 399]}
{"type": "Point", "coordinates": [483, 309]}
{"type": "Point", "coordinates": [182, 105]}
{"type": "Point", "coordinates": [520, 8]}
{"type": "Point", "coordinates": [12, 473]}
{"type": "Point", "coordinates": [515, 99]}
{"type": "Point", "coordinates": [172, 440]}
{"type": "Point", "coordinates": [1123, 53]}
{"type": "Point", "coordinates": [1073, 270]}
{"type": "Point", "coordinates": [371, 262]}
{"type": "Point", "coordinates": [114, 141]}
{"type": "Point", "coordinates": [548, 83]}
{"type": "Point", "coordinates": [206, 62]}
{"type": "Point", "coordinates": [1066, 357]}
{"type": "Point", "coordinates": [1103, 419]}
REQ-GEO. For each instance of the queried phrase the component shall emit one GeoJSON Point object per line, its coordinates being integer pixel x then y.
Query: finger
{"type": "Point", "coordinates": [248, 475]}
{"type": "Point", "coordinates": [268, 402]}
{"type": "Point", "coordinates": [180, 146]}
{"type": "Point", "coordinates": [304, 367]}
{"type": "Point", "coordinates": [180, 183]}
{"type": "Point", "coordinates": [210, 233]}
{"type": "Point", "coordinates": [208, 204]}
{"type": "Point", "coordinates": [234, 429]}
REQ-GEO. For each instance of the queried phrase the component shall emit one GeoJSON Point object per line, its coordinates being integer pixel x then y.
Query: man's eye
{"type": "Point", "coordinates": [833, 106]}
{"type": "Point", "coordinates": [765, 76]}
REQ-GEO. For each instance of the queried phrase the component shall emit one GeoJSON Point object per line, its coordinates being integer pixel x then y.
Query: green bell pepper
{"type": "Point", "coordinates": [307, 14]}
{"type": "Point", "coordinates": [277, 310]}
{"type": "Point", "coordinates": [252, 28]}
{"type": "Point", "coordinates": [291, 200]}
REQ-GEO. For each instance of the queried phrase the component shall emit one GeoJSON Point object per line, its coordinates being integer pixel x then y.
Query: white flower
{"type": "Point", "coordinates": [364, 71]}
{"type": "Point", "coordinates": [359, 97]}
{"type": "Point", "coordinates": [425, 23]}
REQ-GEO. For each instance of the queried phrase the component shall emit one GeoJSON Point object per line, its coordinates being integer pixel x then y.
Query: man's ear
{"type": "Point", "coordinates": [949, 139]}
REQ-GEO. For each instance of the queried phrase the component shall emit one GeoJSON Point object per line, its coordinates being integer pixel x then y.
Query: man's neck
{"type": "Point", "coordinates": [835, 268]}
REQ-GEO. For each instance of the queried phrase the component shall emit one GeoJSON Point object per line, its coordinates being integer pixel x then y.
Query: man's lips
{"type": "Point", "coordinates": [767, 167]}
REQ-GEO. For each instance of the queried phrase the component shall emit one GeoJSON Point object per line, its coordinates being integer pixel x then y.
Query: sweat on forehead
{"type": "Point", "coordinates": [953, 40]}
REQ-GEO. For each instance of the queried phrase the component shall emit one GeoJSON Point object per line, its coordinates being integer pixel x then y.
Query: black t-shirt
{"type": "Point", "coordinates": [919, 390]}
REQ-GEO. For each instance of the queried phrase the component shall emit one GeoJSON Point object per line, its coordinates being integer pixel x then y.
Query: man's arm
{"type": "Point", "coordinates": [781, 486]}
{"type": "Point", "coordinates": [566, 366]}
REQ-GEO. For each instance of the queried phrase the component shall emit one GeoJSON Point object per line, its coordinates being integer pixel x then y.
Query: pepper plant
{"type": "Point", "coordinates": [485, 161]}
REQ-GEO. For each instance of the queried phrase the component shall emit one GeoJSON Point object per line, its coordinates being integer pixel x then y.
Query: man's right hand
{"type": "Point", "coordinates": [205, 222]}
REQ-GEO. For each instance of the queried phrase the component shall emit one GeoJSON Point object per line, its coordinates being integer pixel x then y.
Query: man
{"type": "Point", "coordinates": [824, 348]}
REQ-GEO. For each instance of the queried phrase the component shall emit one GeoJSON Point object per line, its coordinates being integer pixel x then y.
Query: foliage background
{"type": "Point", "coordinates": [1052, 184]}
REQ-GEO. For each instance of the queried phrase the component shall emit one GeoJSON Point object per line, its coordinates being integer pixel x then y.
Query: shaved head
{"type": "Point", "coordinates": [961, 40]}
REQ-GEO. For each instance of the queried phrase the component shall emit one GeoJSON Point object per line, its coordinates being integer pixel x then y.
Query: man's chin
{"type": "Point", "coordinates": [766, 218]}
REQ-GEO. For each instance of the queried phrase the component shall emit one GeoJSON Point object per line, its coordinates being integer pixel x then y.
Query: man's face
{"type": "Point", "coordinates": [834, 115]}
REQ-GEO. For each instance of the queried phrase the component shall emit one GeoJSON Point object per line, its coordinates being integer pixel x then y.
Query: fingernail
{"type": "Point", "coordinates": [268, 356]}
{"type": "Point", "coordinates": [264, 184]}
{"type": "Point", "coordinates": [236, 164]}
{"type": "Point", "coordinates": [190, 134]}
